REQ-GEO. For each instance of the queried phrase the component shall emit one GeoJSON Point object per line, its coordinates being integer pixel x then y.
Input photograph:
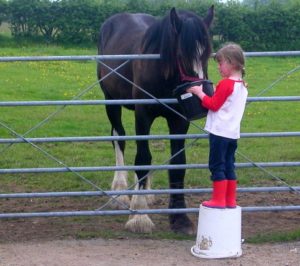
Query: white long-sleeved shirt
{"type": "Point", "coordinates": [226, 108]}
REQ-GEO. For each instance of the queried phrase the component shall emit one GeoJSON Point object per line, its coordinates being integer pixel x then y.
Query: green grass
{"type": "Point", "coordinates": [119, 234]}
{"type": "Point", "coordinates": [275, 237]}
{"type": "Point", "coordinates": [23, 81]}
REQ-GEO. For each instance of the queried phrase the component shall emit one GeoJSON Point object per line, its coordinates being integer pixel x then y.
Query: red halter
{"type": "Point", "coordinates": [184, 77]}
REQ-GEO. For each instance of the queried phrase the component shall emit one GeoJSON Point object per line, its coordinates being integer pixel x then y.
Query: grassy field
{"type": "Point", "coordinates": [23, 81]}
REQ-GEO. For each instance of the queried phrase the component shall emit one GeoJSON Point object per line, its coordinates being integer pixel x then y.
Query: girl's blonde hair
{"type": "Point", "coordinates": [233, 54]}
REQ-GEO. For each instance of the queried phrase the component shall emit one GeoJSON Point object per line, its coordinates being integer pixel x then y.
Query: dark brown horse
{"type": "Point", "coordinates": [183, 42]}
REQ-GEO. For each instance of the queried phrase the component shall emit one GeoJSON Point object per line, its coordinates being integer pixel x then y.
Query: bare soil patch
{"type": "Point", "coordinates": [137, 252]}
{"type": "Point", "coordinates": [88, 240]}
{"type": "Point", "coordinates": [57, 228]}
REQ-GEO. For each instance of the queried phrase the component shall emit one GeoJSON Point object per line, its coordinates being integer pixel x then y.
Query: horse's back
{"type": "Point", "coordinates": [122, 33]}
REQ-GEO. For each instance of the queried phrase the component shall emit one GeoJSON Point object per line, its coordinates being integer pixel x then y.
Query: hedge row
{"type": "Point", "coordinates": [266, 27]}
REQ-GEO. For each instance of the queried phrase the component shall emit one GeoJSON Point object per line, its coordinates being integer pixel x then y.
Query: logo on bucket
{"type": "Point", "coordinates": [205, 243]}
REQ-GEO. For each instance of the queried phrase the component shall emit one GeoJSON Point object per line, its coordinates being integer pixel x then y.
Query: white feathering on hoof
{"type": "Point", "coordinates": [120, 203]}
{"type": "Point", "coordinates": [120, 179]}
{"type": "Point", "coordinates": [120, 183]}
{"type": "Point", "coordinates": [139, 223]}
{"type": "Point", "coordinates": [150, 197]}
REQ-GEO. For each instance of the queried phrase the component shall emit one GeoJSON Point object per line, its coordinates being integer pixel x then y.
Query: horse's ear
{"type": "Point", "coordinates": [175, 20]}
{"type": "Point", "coordinates": [210, 16]}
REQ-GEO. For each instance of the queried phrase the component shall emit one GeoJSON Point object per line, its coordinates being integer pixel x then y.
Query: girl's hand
{"type": "Point", "coordinates": [197, 90]}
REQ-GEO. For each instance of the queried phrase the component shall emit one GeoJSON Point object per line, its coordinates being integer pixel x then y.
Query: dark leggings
{"type": "Point", "coordinates": [222, 158]}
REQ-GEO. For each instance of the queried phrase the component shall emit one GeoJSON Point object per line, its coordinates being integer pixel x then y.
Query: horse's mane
{"type": "Point", "coordinates": [185, 46]}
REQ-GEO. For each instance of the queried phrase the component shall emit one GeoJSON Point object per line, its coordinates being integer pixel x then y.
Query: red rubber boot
{"type": "Point", "coordinates": [231, 194]}
{"type": "Point", "coordinates": [218, 195]}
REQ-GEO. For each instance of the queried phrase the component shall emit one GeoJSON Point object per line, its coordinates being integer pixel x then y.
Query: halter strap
{"type": "Point", "coordinates": [183, 76]}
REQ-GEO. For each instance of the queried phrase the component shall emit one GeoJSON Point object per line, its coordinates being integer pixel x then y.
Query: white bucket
{"type": "Point", "coordinates": [219, 233]}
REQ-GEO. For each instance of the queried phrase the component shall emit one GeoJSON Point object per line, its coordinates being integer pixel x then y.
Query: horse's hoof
{"type": "Point", "coordinates": [150, 199]}
{"type": "Point", "coordinates": [140, 223]}
{"type": "Point", "coordinates": [120, 203]}
{"type": "Point", "coordinates": [186, 230]}
{"type": "Point", "coordinates": [183, 225]}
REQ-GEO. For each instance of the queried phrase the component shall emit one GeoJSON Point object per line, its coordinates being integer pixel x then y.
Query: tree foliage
{"type": "Point", "coordinates": [3, 10]}
{"type": "Point", "coordinates": [255, 24]}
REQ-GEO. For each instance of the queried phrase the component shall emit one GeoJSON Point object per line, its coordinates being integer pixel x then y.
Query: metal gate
{"type": "Point", "coordinates": [99, 192]}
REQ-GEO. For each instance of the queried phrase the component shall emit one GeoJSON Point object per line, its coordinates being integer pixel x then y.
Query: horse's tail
{"type": "Point", "coordinates": [105, 32]}
{"type": "Point", "coordinates": [103, 38]}
{"type": "Point", "coordinates": [99, 46]}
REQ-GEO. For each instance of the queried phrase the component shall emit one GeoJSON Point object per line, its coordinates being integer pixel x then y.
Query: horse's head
{"type": "Point", "coordinates": [185, 43]}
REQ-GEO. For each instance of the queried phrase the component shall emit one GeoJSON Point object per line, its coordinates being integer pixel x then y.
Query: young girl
{"type": "Point", "coordinates": [225, 111]}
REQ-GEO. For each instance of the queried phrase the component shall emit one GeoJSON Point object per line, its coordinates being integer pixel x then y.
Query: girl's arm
{"type": "Point", "coordinates": [214, 103]}
{"type": "Point", "coordinates": [223, 90]}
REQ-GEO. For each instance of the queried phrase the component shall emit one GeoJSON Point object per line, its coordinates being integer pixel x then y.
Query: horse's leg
{"type": "Point", "coordinates": [178, 222]}
{"type": "Point", "coordinates": [114, 113]}
{"type": "Point", "coordinates": [141, 223]}
{"type": "Point", "coordinates": [150, 197]}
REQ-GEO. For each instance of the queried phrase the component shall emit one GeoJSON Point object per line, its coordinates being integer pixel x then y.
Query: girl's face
{"type": "Point", "coordinates": [225, 68]}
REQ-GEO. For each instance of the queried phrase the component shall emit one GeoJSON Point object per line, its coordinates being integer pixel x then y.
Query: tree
{"type": "Point", "coordinates": [21, 14]}
{"type": "Point", "coordinates": [256, 3]}
{"type": "Point", "coordinates": [232, 24]}
{"type": "Point", "coordinates": [3, 11]}
{"type": "Point", "coordinates": [45, 14]}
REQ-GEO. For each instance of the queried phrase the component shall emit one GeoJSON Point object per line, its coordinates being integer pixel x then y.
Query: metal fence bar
{"type": "Point", "coordinates": [142, 137]}
{"type": "Point", "coordinates": [79, 57]}
{"type": "Point", "coordinates": [130, 212]}
{"type": "Point", "coordinates": [129, 102]}
{"type": "Point", "coordinates": [147, 167]}
{"type": "Point", "coordinates": [126, 57]}
{"type": "Point", "coordinates": [138, 167]}
{"type": "Point", "coordinates": [272, 54]}
{"type": "Point", "coordinates": [138, 192]}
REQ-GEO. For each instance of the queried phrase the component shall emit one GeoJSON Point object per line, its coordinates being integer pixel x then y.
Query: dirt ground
{"type": "Point", "coordinates": [138, 252]}
{"type": "Point", "coordinates": [104, 241]}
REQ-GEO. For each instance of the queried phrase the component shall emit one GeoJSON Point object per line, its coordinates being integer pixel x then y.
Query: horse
{"type": "Point", "coordinates": [182, 39]}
